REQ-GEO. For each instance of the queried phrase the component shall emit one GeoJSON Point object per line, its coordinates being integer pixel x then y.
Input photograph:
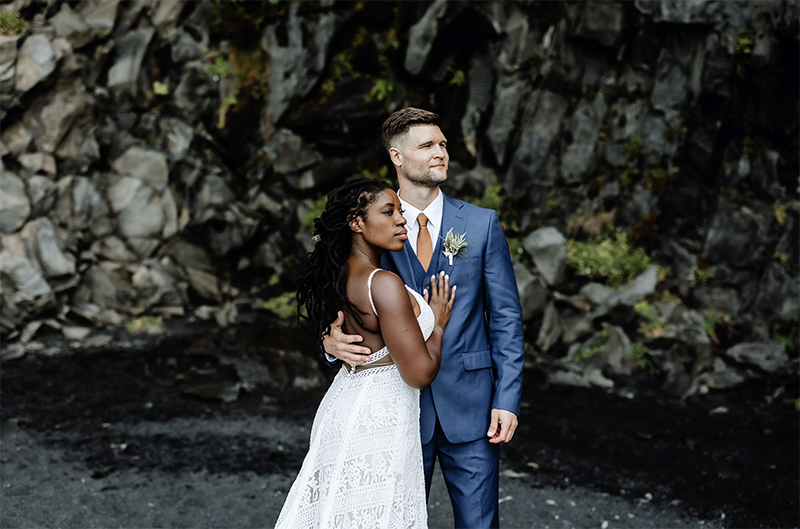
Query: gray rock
{"type": "Point", "coordinates": [768, 356]}
{"type": "Point", "coordinates": [481, 82]}
{"type": "Point", "coordinates": [23, 283]}
{"type": "Point", "coordinates": [160, 284]}
{"type": "Point", "coordinates": [635, 81]}
{"type": "Point", "coordinates": [597, 293]}
{"type": "Point", "coordinates": [198, 22]}
{"type": "Point", "coordinates": [550, 331]}
{"type": "Point", "coordinates": [585, 125]}
{"type": "Point", "coordinates": [681, 261]}
{"type": "Point", "coordinates": [613, 359]}
{"type": "Point", "coordinates": [677, 381]}
{"type": "Point", "coordinates": [123, 77]}
{"type": "Point", "coordinates": [654, 141]}
{"type": "Point", "coordinates": [213, 192]}
{"type": "Point", "coordinates": [640, 204]}
{"type": "Point", "coordinates": [196, 94]}
{"type": "Point", "coordinates": [779, 294]}
{"type": "Point", "coordinates": [421, 36]}
{"type": "Point", "coordinates": [575, 328]}
{"type": "Point", "coordinates": [106, 286]}
{"type": "Point", "coordinates": [15, 207]}
{"type": "Point", "coordinates": [723, 300]}
{"type": "Point", "coordinates": [565, 377]}
{"type": "Point", "coordinates": [51, 118]}
{"type": "Point", "coordinates": [546, 111]}
{"type": "Point", "coordinates": [38, 162]}
{"type": "Point", "coordinates": [297, 65]}
{"type": "Point", "coordinates": [43, 193]}
{"type": "Point", "coordinates": [703, 12]}
{"type": "Point", "coordinates": [113, 248]}
{"type": "Point", "coordinates": [687, 328]}
{"type": "Point", "coordinates": [722, 376]}
{"type": "Point", "coordinates": [766, 51]}
{"type": "Point", "coordinates": [229, 230]}
{"type": "Point", "coordinates": [266, 203]}
{"type": "Point", "coordinates": [472, 182]}
{"type": "Point", "coordinates": [147, 165]}
{"type": "Point", "coordinates": [521, 42]}
{"type": "Point", "coordinates": [8, 55]}
{"type": "Point", "coordinates": [70, 26]}
{"type": "Point", "coordinates": [178, 138]}
{"type": "Point", "coordinates": [601, 23]}
{"type": "Point", "coordinates": [79, 148]}
{"type": "Point", "coordinates": [532, 293]}
{"type": "Point", "coordinates": [292, 153]}
{"type": "Point", "coordinates": [251, 372]}
{"type": "Point", "coordinates": [635, 290]}
{"type": "Point", "coordinates": [739, 235]}
{"type": "Point", "coordinates": [718, 73]}
{"type": "Point", "coordinates": [82, 207]}
{"type": "Point", "coordinates": [144, 217]}
{"type": "Point", "coordinates": [548, 247]}
{"type": "Point", "coordinates": [626, 120]}
{"type": "Point", "coordinates": [670, 90]}
{"type": "Point", "coordinates": [185, 49]}
{"type": "Point", "coordinates": [505, 116]}
{"type": "Point", "coordinates": [35, 62]}
{"type": "Point", "coordinates": [197, 264]}
{"type": "Point", "coordinates": [48, 248]}
{"type": "Point", "coordinates": [17, 138]}
{"type": "Point", "coordinates": [331, 170]}
{"type": "Point", "coordinates": [99, 14]}
{"type": "Point", "coordinates": [268, 255]}
{"type": "Point", "coordinates": [167, 13]}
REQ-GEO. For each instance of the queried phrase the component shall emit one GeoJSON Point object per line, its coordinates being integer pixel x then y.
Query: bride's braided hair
{"type": "Point", "coordinates": [322, 290]}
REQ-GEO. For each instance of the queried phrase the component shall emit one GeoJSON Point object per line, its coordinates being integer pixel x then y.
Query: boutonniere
{"type": "Point", "coordinates": [455, 245]}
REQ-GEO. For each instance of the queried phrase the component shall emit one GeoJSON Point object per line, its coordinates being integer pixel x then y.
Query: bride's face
{"type": "Point", "coordinates": [384, 225]}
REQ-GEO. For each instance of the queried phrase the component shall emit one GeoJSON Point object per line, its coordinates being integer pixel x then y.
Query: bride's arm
{"type": "Point", "coordinates": [417, 360]}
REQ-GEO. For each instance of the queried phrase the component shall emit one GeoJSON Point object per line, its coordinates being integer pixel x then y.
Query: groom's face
{"type": "Point", "coordinates": [424, 155]}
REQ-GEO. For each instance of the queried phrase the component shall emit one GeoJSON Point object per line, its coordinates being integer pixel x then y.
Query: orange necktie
{"type": "Point", "coordinates": [424, 246]}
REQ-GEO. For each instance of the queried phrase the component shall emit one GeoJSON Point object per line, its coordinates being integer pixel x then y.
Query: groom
{"type": "Point", "coordinates": [473, 403]}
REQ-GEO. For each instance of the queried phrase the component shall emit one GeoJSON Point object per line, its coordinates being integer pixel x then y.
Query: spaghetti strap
{"type": "Point", "coordinates": [369, 290]}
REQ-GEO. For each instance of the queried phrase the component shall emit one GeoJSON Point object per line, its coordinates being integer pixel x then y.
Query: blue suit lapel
{"type": "Point", "coordinates": [452, 218]}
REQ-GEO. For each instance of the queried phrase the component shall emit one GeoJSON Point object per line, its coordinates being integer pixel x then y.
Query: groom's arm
{"type": "Point", "coordinates": [339, 346]}
{"type": "Point", "coordinates": [505, 326]}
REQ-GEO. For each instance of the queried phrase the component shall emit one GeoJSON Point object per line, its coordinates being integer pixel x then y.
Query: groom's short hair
{"type": "Point", "coordinates": [401, 120]}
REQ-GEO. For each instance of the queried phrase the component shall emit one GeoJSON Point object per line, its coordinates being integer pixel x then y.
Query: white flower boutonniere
{"type": "Point", "coordinates": [455, 245]}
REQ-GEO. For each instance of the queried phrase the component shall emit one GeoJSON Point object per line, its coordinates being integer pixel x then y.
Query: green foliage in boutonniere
{"type": "Point", "coordinates": [455, 245]}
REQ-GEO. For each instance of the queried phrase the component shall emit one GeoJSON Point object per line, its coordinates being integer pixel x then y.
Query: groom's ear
{"type": "Point", "coordinates": [396, 156]}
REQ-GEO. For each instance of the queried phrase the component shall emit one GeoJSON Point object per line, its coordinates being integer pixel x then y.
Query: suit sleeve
{"type": "Point", "coordinates": [504, 317]}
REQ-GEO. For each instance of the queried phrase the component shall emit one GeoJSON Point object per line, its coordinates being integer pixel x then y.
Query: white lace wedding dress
{"type": "Point", "coordinates": [364, 463]}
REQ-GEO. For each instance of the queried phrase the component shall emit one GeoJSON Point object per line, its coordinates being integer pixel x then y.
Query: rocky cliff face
{"type": "Point", "coordinates": [162, 156]}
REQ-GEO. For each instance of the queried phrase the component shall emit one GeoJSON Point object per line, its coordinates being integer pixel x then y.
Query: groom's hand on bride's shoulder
{"type": "Point", "coordinates": [502, 426]}
{"type": "Point", "coordinates": [344, 346]}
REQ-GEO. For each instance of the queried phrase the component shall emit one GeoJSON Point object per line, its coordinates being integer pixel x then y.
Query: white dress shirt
{"type": "Point", "coordinates": [434, 214]}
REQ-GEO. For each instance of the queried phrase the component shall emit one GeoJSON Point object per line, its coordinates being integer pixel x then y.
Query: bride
{"type": "Point", "coordinates": [364, 464]}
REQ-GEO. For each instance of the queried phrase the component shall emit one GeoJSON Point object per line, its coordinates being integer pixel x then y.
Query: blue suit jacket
{"type": "Point", "coordinates": [482, 349]}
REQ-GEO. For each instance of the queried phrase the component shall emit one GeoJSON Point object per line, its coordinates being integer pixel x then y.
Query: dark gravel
{"type": "Point", "coordinates": [108, 439]}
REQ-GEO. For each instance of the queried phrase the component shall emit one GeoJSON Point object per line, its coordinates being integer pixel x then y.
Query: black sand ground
{"type": "Point", "coordinates": [108, 440]}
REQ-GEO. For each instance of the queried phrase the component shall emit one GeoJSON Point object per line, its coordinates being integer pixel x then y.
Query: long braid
{"type": "Point", "coordinates": [323, 281]}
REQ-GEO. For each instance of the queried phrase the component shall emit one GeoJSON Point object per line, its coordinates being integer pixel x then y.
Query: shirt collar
{"type": "Point", "coordinates": [433, 211]}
